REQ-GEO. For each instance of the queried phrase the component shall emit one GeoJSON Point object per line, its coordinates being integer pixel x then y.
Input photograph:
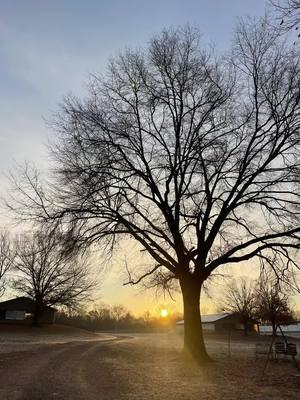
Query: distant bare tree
{"type": "Point", "coordinates": [192, 156]}
{"type": "Point", "coordinates": [118, 312]}
{"type": "Point", "coordinates": [272, 302]}
{"type": "Point", "coordinates": [101, 311]}
{"type": "Point", "coordinates": [49, 275]}
{"type": "Point", "coordinates": [239, 299]}
{"type": "Point", "coordinates": [7, 255]}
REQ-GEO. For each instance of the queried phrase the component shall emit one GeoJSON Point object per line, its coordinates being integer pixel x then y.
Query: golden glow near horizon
{"type": "Point", "coordinates": [164, 313]}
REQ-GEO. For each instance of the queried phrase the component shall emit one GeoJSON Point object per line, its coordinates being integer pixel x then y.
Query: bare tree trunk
{"type": "Point", "coordinates": [37, 313]}
{"type": "Point", "coordinates": [273, 328]}
{"type": "Point", "coordinates": [193, 334]}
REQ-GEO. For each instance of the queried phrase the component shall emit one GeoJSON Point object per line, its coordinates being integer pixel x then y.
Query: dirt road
{"type": "Point", "coordinates": [61, 371]}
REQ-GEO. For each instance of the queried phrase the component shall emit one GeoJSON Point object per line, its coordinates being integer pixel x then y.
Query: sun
{"type": "Point", "coordinates": [164, 312]}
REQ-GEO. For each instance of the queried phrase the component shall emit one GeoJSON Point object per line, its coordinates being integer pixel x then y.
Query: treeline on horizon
{"type": "Point", "coordinates": [116, 318]}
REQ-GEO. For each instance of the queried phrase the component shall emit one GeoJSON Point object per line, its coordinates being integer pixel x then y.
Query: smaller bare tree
{"type": "Point", "coordinates": [7, 255]}
{"type": "Point", "coordinates": [50, 275]}
{"type": "Point", "coordinates": [273, 302]}
{"type": "Point", "coordinates": [239, 299]}
{"type": "Point", "coordinates": [118, 312]}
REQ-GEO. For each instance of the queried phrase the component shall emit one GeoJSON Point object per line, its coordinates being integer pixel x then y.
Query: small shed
{"type": "Point", "coordinates": [219, 323]}
{"type": "Point", "coordinates": [22, 309]}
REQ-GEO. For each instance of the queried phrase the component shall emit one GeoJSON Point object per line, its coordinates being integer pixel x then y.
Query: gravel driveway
{"type": "Point", "coordinates": [139, 367]}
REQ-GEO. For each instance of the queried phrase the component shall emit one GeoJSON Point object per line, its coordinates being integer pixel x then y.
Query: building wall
{"type": "Point", "coordinates": [222, 325]}
{"type": "Point", "coordinates": [209, 327]}
{"type": "Point", "coordinates": [288, 329]}
{"type": "Point", "coordinates": [179, 328]}
{"type": "Point", "coordinates": [48, 316]}
{"type": "Point", "coordinates": [15, 315]}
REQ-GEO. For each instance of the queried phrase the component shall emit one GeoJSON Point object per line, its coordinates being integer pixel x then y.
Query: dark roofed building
{"type": "Point", "coordinates": [221, 322]}
{"type": "Point", "coordinates": [22, 309]}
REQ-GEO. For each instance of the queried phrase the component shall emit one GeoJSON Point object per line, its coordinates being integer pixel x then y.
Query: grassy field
{"type": "Point", "coordinates": [155, 369]}
{"type": "Point", "coordinates": [139, 366]}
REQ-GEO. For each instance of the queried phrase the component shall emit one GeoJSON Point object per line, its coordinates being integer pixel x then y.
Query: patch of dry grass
{"type": "Point", "coordinates": [154, 368]}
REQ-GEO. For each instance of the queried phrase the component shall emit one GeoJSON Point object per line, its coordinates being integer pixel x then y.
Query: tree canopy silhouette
{"type": "Point", "coordinates": [192, 155]}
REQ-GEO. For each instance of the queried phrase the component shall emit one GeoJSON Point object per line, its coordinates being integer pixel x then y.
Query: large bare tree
{"type": "Point", "coordinates": [45, 272]}
{"type": "Point", "coordinates": [193, 156]}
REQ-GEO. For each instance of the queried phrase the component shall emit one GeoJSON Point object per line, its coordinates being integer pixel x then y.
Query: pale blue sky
{"type": "Point", "coordinates": [48, 48]}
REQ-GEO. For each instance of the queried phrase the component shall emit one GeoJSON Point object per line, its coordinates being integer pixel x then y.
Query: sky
{"type": "Point", "coordinates": [49, 48]}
